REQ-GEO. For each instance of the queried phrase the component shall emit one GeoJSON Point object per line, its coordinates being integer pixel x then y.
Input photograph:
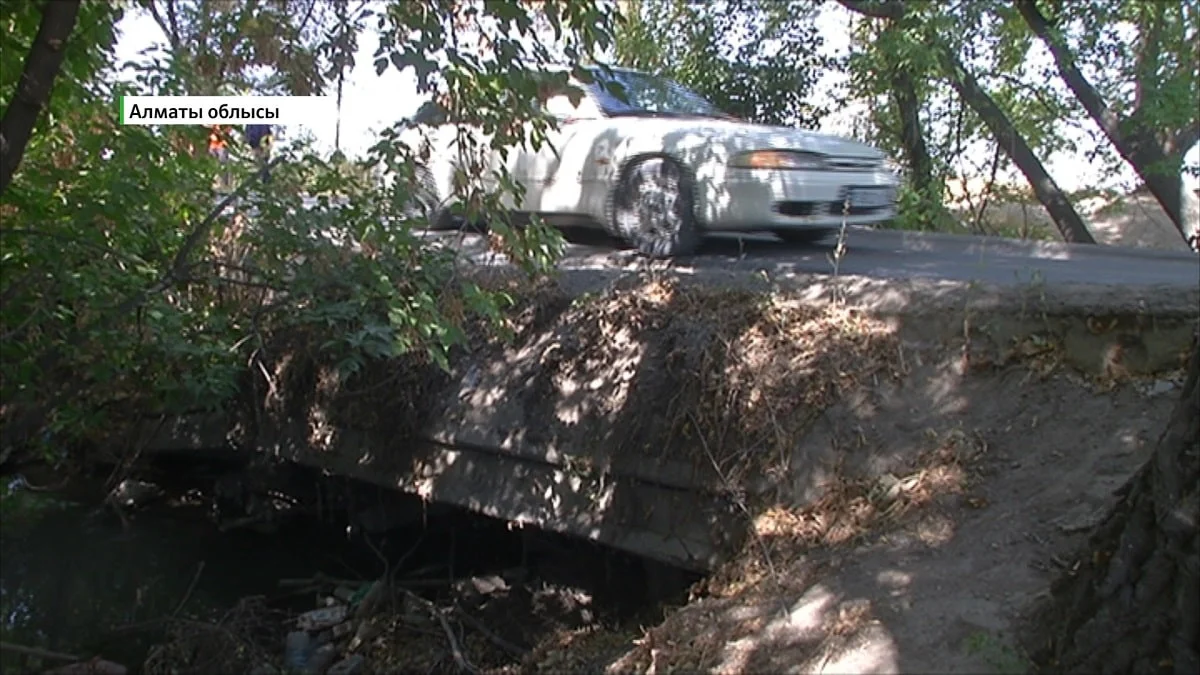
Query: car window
{"type": "Point", "coordinates": [645, 93]}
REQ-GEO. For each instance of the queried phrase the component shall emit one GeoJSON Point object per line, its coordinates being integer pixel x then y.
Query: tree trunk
{"type": "Point", "coordinates": [1066, 219]}
{"type": "Point", "coordinates": [923, 179]}
{"type": "Point", "coordinates": [1069, 224]}
{"type": "Point", "coordinates": [912, 134]}
{"type": "Point", "coordinates": [42, 64]}
{"type": "Point", "coordinates": [1133, 605]}
{"type": "Point", "coordinates": [1149, 156]}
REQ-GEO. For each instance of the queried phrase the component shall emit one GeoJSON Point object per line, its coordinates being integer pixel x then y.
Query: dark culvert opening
{"type": "Point", "coordinates": [513, 585]}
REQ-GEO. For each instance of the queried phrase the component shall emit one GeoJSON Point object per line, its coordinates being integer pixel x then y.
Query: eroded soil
{"type": "Point", "coordinates": [945, 587]}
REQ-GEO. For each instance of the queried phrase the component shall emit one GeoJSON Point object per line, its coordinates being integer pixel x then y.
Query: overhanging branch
{"type": "Point", "coordinates": [876, 9]}
{"type": "Point", "coordinates": [42, 64]}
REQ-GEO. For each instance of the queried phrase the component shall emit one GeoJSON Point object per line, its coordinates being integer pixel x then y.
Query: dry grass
{"type": "Point", "coordinates": [849, 510]}
{"type": "Point", "coordinates": [720, 377]}
{"type": "Point", "coordinates": [738, 619]}
{"type": "Point", "coordinates": [248, 636]}
{"type": "Point", "coordinates": [726, 379]}
{"type": "Point", "coordinates": [584, 650]}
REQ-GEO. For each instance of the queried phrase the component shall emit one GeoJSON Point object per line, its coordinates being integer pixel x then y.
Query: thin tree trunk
{"type": "Point", "coordinates": [922, 177]}
{"type": "Point", "coordinates": [1066, 219]}
{"type": "Point", "coordinates": [904, 96]}
{"type": "Point", "coordinates": [912, 133]}
{"type": "Point", "coordinates": [341, 66]}
{"type": "Point", "coordinates": [1133, 605]}
{"type": "Point", "coordinates": [42, 64]}
{"type": "Point", "coordinates": [337, 130]}
{"type": "Point", "coordinates": [1137, 144]}
{"type": "Point", "coordinates": [1052, 197]}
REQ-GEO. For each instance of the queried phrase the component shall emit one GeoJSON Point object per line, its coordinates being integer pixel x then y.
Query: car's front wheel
{"type": "Point", "coordinates": [653, 208]}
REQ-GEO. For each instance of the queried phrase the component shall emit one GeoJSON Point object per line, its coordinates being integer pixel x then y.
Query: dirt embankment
{"type": "Point", "coordinates": [928, 509]}
{"type": "Point", "coordinates": [907, 496]}
{"type": "Point", "coordinates": [909, 518]}
{"type": "Point", "coordinates": [636, 394]}
{"type": "Point", "coordinates": [948, 506]}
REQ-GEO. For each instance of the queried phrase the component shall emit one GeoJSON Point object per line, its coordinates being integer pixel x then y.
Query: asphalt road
{"type": "Point", "coordinates": [887, 254]}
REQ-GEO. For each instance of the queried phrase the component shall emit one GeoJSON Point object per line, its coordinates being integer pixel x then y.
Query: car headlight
{"type": "Point", "coordinates": [778, 159]}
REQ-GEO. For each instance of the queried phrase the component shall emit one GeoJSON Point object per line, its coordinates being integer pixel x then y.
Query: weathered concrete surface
{"type": "Point", "coordinates": [671, 523]}
{"type": "Point", "coordinates": [503, 439]}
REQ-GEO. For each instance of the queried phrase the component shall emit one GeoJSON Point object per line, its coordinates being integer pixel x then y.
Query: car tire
{"type": "Point", "coordinates": [808, 235]}
{"type": "Point", "coordinates": [653, 208]}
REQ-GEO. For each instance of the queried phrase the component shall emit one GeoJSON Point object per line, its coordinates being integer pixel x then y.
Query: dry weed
{"type": "Point", "coordinates": [247, 637]}
{"type": "Point", "coordinates": [720, 377]}
{"type": "Point", "coordinates": [733, 627]}
{"type": "Point", "coordinates": [849, 510]}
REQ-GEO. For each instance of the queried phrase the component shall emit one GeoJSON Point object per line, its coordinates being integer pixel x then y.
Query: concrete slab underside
{"type": "Point", "coordinates": [664, 520]}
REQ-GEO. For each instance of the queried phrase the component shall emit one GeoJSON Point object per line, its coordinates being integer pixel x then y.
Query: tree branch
{"type": "Point", "coordinates": [173, 18]}
{"type": "Point", "coordinates": [1048, 192]}
{"type": "Point", "coordinates": [42, 64]}
{"type": "Point", "coordinates": [1130, 136]}
{"type": "Point", "coordinates": [1149, 51]}
{"type": "Point", "coordinates": [179, 264]}
{"type": "Point", "coordinates": [1075, 79]}
{"type": "Point", "coordinates": [168, 28]}
{"type": "Point", "coordinates": [876, 9]}
{"type": "Point", "coordinates": [307, 15]}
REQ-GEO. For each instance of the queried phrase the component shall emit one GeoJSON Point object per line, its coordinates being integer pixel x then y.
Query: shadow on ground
{"type": "Point", "coordinates": [947, 505]}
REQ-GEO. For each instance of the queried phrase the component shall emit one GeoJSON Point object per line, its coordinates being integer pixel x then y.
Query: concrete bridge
{"type": "Point", "coordinates": [586, 448]}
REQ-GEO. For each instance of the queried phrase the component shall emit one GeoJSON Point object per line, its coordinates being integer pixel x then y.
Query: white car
{"type": "Point", "coordinates": [663, 166]}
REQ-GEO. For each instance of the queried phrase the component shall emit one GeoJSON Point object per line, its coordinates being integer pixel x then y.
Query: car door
{"type": "Point", "coordinates": [449, 154]}
{"type": "Point", "coordinates": [553, 172]}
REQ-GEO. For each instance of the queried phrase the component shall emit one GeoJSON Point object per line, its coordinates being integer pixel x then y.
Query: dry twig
{"type": "Point", "coordinates": [456, 652]}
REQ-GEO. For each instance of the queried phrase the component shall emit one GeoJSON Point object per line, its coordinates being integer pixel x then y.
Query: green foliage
{"type": "Point", "coordinates": [21, 507]}
{"type": "Point", "coordinates": [275, 46]}
{"type": "Point", "coordinates": [1141, 55]}
{"type": "Point", "coordinates": [756, 59]}
{"type": "Point", "coordinates": [124, 290]}
{"type": "Point", "coordinates": [891, 66]}
{"type": "Point", "coordinates": [918, 210]}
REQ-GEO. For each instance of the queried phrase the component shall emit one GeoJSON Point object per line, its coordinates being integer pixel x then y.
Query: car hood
{"type": "Point", "coordinates": [743, 136]}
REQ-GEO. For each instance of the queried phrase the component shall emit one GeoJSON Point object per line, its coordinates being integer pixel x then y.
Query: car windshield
{"type": "Point", "coordinates": [648, 95]}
